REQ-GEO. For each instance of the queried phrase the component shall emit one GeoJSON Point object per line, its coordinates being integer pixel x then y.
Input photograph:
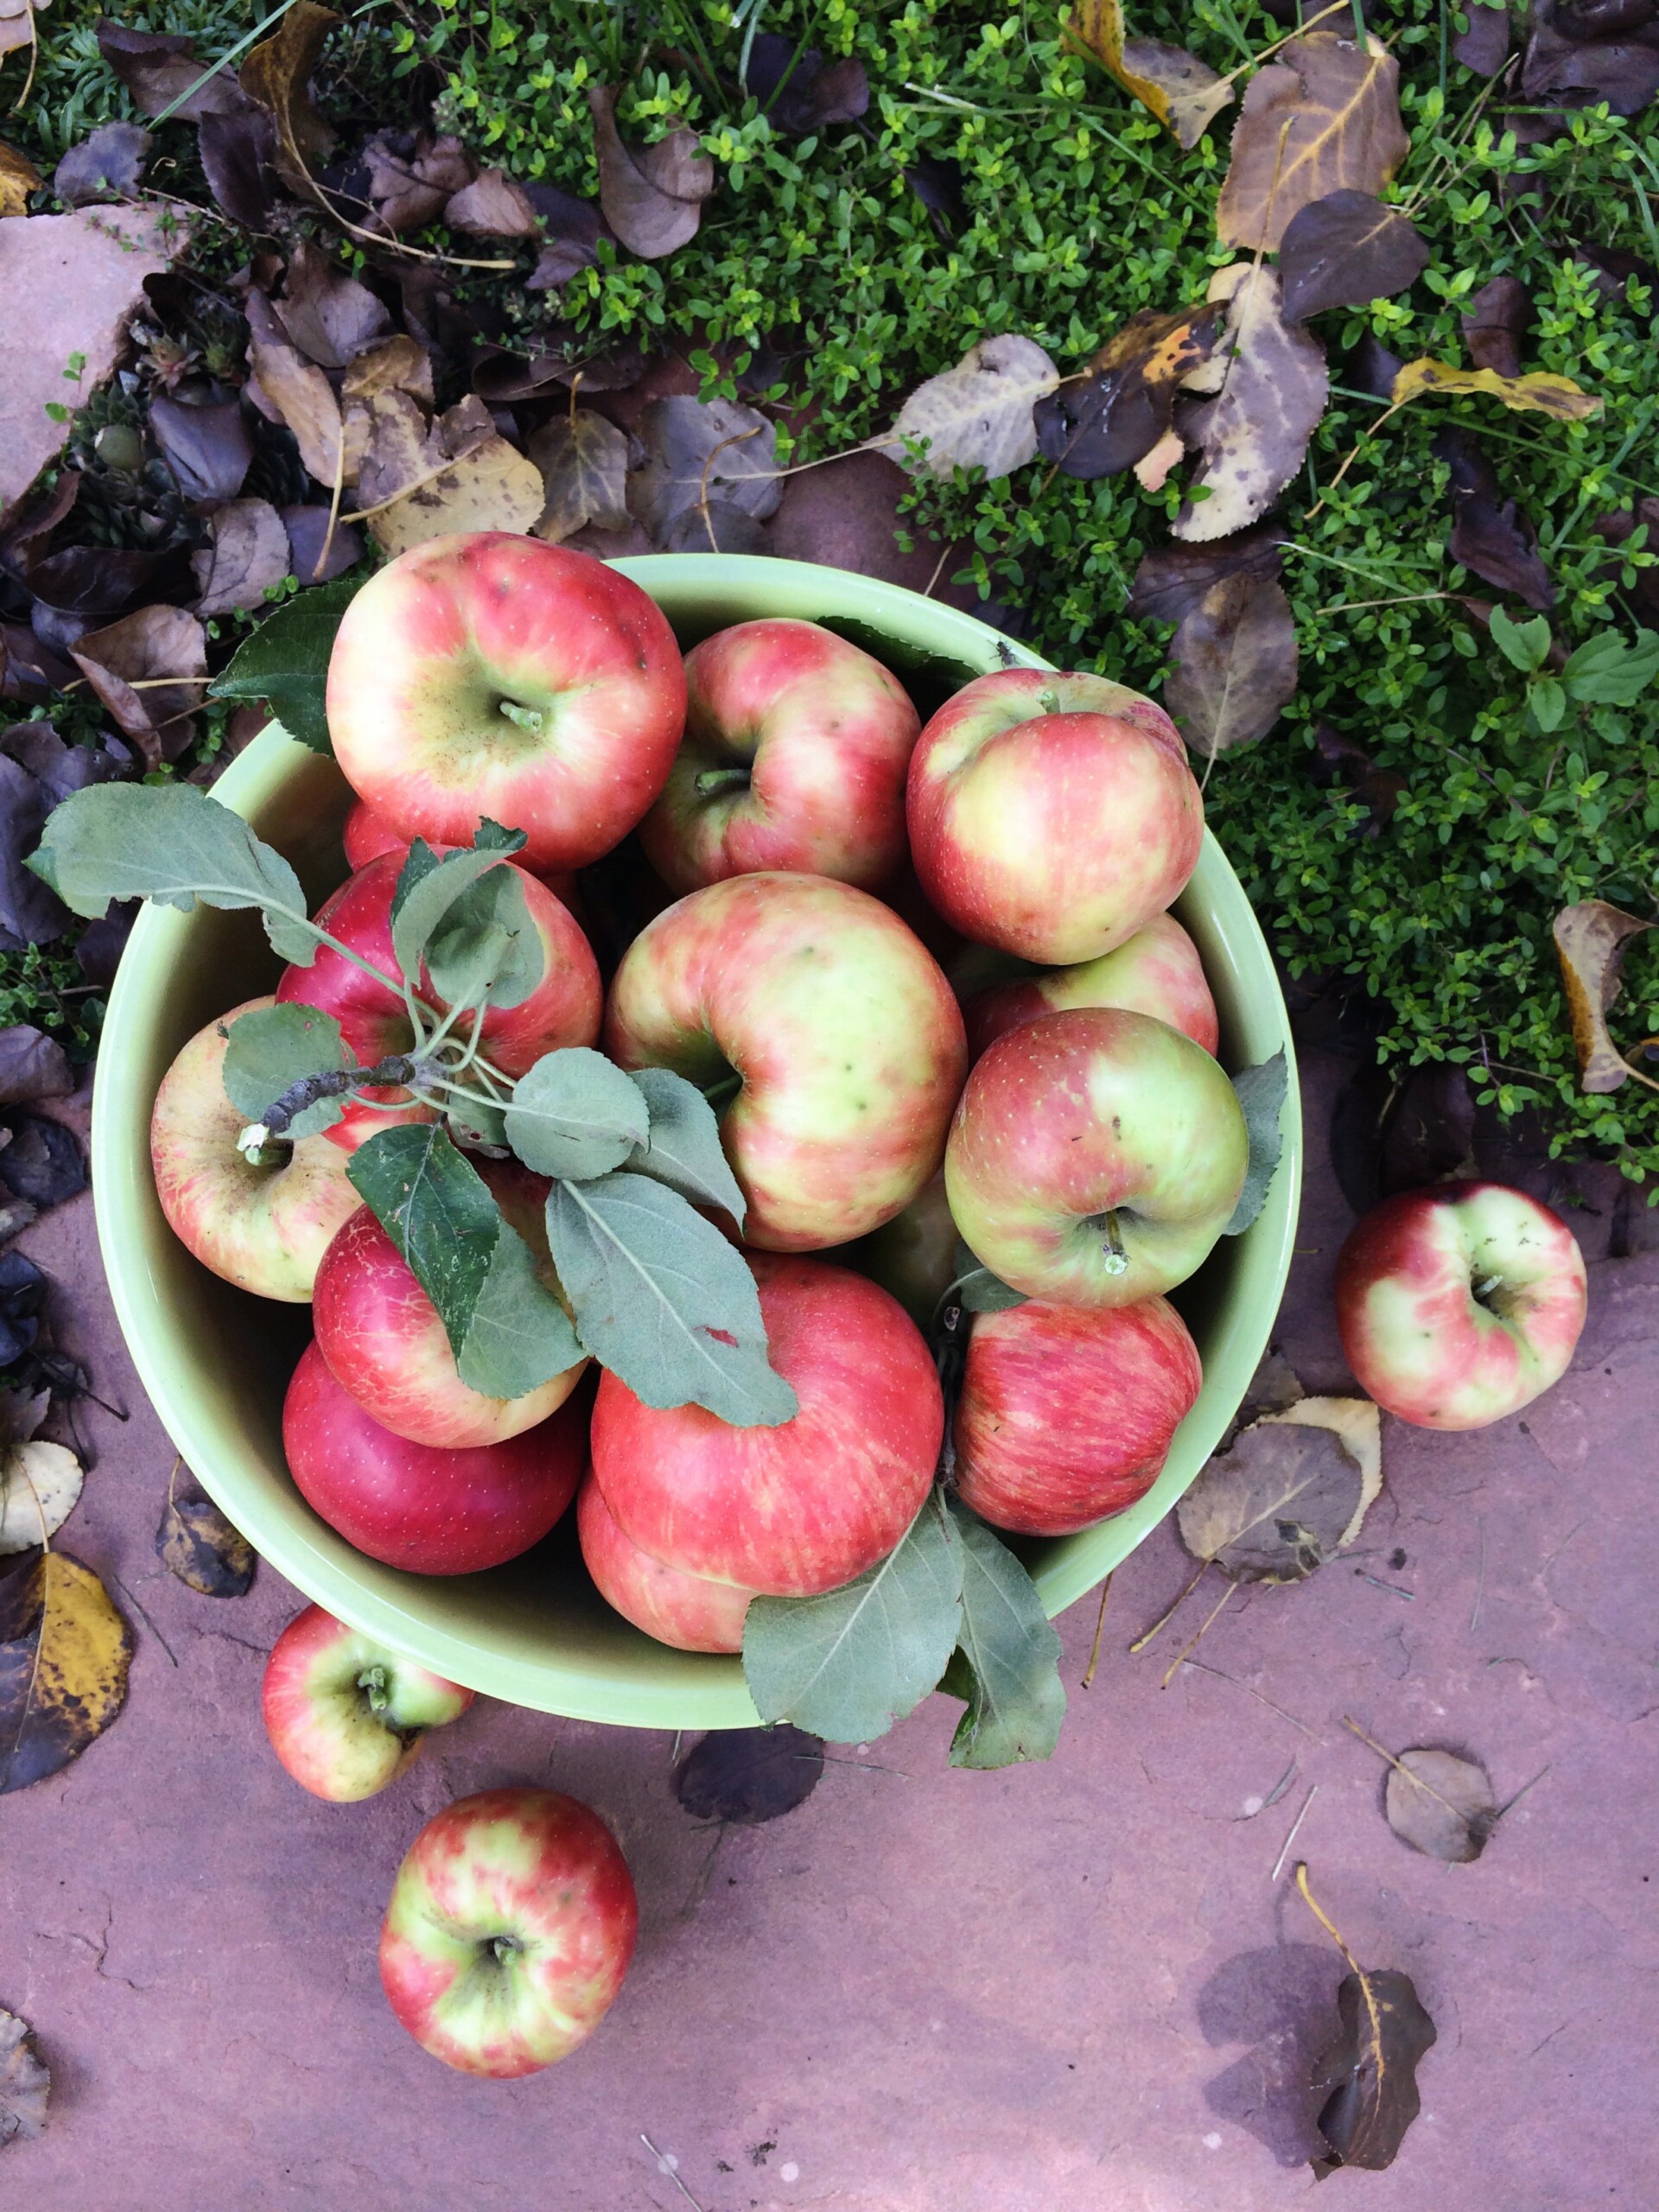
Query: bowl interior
{"type": "Point", "coordinates": [216, 1362]}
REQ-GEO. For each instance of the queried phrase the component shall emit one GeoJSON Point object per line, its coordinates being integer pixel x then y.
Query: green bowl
{"type": "Point", "coordinates": [216, 1362]}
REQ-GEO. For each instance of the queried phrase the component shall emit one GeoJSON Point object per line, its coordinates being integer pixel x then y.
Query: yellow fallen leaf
{"type": "Point", "coordinates": [64, 1654]}
{"type": "Point", "coordinates": [1538, 392]}
{"type": "Point", "coordinates": [1591, 942]}
{"type": "Point", "coordinates": [491, 487]}
{"type": "Point", "coordinates": [18, 178]}
{"type": "Point", "coordinates": [1185, 93]}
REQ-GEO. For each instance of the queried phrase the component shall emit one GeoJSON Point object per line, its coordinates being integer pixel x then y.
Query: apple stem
{"type": "Point", "coordinates": [721, 1094]}
{"type": "Point", "coordinates": [529, 718]}
{"type": "Point", "coordinates": [373, 1681]}
{"type": "Point", "coordinates": [1116, 1260]}
{"type": "Point", "coordinates": [719, 779]}
{"type": "Point", "coordinates": [1483, 1291]}
{"type": "Point", "coordinates": [504, 1947]}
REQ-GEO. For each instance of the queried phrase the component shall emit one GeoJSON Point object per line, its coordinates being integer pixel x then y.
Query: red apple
{"type": "Point", "coordinates": [382, 1335]}
{"type": "Point", "coordinates": [346, 1715]}
{"type": "Point", "coordinates": [413, 1505]}
{"type": "Point", "coordinates": [1052, 815]}
{"type": "Point", "coordinates": [563, 1009]}
{"type": "Point", "coordinates": [510, 1928]}
{"type": "Point", "coordinates": [488, 675]}
{"type": "Point", "coordinates": [1459, 1304]}
{"type": "Point", "coordinates": [262, 1226]}
{"type": "Point", "coordinates": [913, 1256]}
{"type": "Point", "coordinates": [804, 1507]}
{"type": "Point", "coordinates": [794, 757]}
{"type": "Point", "coordinates": [691, 1611]}
{"type": "Point", "coordinates": [837, 1032]}
{"type": "Point", "coordinates": [1156, 972]}
{"type": "Point", "coordinates": [368, 834]}
{"type": "Point", "coordinates": [1095, 1157]}
{"type": "Point", "coordinates": [1066, 1412]}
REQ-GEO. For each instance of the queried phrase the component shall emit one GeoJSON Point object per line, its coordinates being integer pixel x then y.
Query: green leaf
{"type": "Point", "coordinates": [575, 1113]}
{"type": "Point", "coordinates": [850, 1663]}
{"type": "Point", "coordinates": [487, 951]}
{"type": "Point", "coordinates": [438, 1211]}
{"type": "Point", "coordinates": [273, 1048]}
{"type": "Point", "coordinates": [1607, 672]}
{"type": "Point", "coordinates": [1261, 1094]}
{"type": "Point", "coordinates": [1548, 700]}
{"type": "Point", "coordinates": [650, 1282]}
{"type": "Point", "coordinates": [683, 1149]}
{"type": "Point", "coordinates": [470, 1124]}
{"type": "Point", "coordinates": [426, 891]}
{"type": "Point", "coordinates": [492, 837]}
{"type": "Point", "coordinates": [1525, 645]}
{"type": "Point", "coordinates": [173, 843]}
{"type": "Point", "coordinates": [285, 662]}
{"type": "Point", "coordinates": [520, 1335]}
{"type": "Point", "coordinates": [978, 1290]}
{"type": "Point", "coordinates": [1009, 1653]}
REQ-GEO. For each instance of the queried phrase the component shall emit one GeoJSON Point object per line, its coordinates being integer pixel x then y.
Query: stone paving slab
{"type": "Point", "coordinates": [1071, 1985]}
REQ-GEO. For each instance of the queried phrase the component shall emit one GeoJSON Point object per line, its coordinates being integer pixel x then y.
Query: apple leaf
{"type": "Point", "coordinates": [64, 1654]}
{"type": "Point", "coordinates": [977, 415]}
{"type": "Point", "coordinates": [519, 1336]}
{"type": "Point", "coordinates": [1344, 252]}
{"type": "Point", "coordinates": [268, 1051]}
{"type": "Point", "coordinates": [25, 2080]}
{"type": "Point", "coordinates": [197, 1543]}
{"type": "Point", "coordinates": [978, 1291]}
{"type": "Point", "coordinates": [1115, 412]}
{"type": "Point", "coordinates": [1006, 1657]}
{"type": "Point", "coordinates": [428, 888]}
{"type": "Point", "coordinates": [682, 1147]}
{"type": "Point", "coordinates": [40, 1487]}
{"type": "Point", "coordinates": [1234, 663]}
{"type": "Point", "coordinates": [437, 1210]}
{"type": "Point", "coordinates": [749, 1775]}
{"type": "Point", "coordinates": [1323, 117]}
{"type": "Point", "coordinates": [575, 1113]}
{"type": "Point", "coordinates": [1540, 392]}
{"type": "Point", "coordinates": [174, 844]}
{"type": "Point", "coordinates": [1441, 1805]}
{"type": "Point", "coordinates": [1270, 386]}
{"type": "Point", "coordinates": [1368, 2070]}
{"type": "Point", "coordinates": [1278, 1503]}
{"type": "Point", "coordinates": [1590, 941]}
{"type": "Point", "coordinates": [848, 1664]}
{"type": "Point", "coordinates": [487, 950]}
{"type": "Point", "coordinates": [663, 1301]}
{"type": "Point", "coordinates": [285, 662]}
{"type": "Point", "coordinates": [1261, 1094]}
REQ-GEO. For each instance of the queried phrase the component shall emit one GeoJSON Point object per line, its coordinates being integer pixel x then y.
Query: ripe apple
{"type": "Point", "coordinates": [804, 1507]}
{"type": "Point", "coordinates": [564, 1009]}
{"type": "Point", "coordinates": [838, 1035]}
{"type": "Point", "coordinates": [488, 675]}
{"type": "Point", "coordinates": [794, 757]}
{"type": "Point", "coordinates": [1459, 1304]}
{"type": "Point", "coordinates": [262, 1226]}
{"type": "Point", "coordinates": [382, 1335]}
{"type": "Point", "coordinates": [510, 1929]}
{"type": "Point", "coordinates": [1066, 1412]}
{"type": "Point", "coordinates": [1095, 1157]}
{"type": "Point", "coordinates": [346, 1715]}
{"type": "Point", "coordinates": [913, 1256]}
{"type": "Point", "coordinates": [691, 1612]}
{"type": "Point", "coordinates": [1158, 972]}
{"type": "Point", "coordinates": [1052, 815]}
{"type": "Point", "coordinates": [417, 1506]}
{"type": "Point", "coordinates": [367, 835]}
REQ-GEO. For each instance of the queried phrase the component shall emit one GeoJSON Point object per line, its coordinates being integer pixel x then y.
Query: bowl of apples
{"type": "Point", "coordinates": [729, 1103]}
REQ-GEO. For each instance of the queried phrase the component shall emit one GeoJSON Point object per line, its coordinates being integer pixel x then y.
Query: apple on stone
{"type": "Point", "coordinates": [262, 1221]}
{"type": "Point", "coordinates": [693, 1613]}
{"type": "Point", "coordinates": [564, 1008]}
{"type": "Point", "coordinates": [1157, 971]}
{"type": "Point", "coordinates": [1459, 1304]}
{"type": "Point", "coordinates": [1067, 1412]}
{"type": "Point", "coordinates": [803, 1507]}
{"type": "Point", "coordinates": [510, 1930]}
{"type": "Point", "coordinates": [815, 1022]}
{"type": "Point", "coordinates": [1052, 815]}
{"type": "Point", "coordinates": [418, 1506]}
{"type": "Point", "coordinates": [796, 749]}
{"type": "Point", "coordinates": [345, 1714]}
{"type": "Point", "coordinates": [489, 676]}
{"type": "Point", "coordinates": [1095, 1157]}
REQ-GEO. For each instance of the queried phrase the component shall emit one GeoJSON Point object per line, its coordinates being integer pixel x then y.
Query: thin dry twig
{"type": "Point", "coordinates": [1203, 1668]}
{"type": "Point", "coordinates": [665, 2165]}
{"type": "Point", "coordinates": [1272, 1796]}
{"type": "Point", "coordinates": [1428, 1787]}
{"type": "Point", "coordinates": [1210, 1620]}
{"type": "Point", "coordinates": [1100, 1622]}
{"type": "Point", "coordinates": [1480, 1577]}
{"type": "Point", "coordinates": [1295, 1830]}
{"type": "Point", "coordinates": [1165, 1617]}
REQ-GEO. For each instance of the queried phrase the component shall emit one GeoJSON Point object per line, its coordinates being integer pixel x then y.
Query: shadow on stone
{"type": "Point", "coordinates": [1282, 2001]}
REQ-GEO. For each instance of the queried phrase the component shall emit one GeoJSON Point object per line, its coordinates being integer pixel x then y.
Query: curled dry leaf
{"type": "Point", "coordinates": [1538, 393]}
{"type": "Point", "coordinates": [1234, 663]}
{"type": "Point", "coordinates": [1495, 321]}
{"type": "Point", "coordinates": [25, 2080]}
{"type": "Point", "coordinates": [1440, 1804]}
{"type": "Point", "coordinates": [106, 165]}
{"type": "Point", "coordinates": [1170, 579]}
{"type": "Point", "coordinates": [1367, 2072]}
{"type": "Point", "coordinates": [158, 66]}
{"type": "Point", "coordinates": [275, 76]}
{"type": "Point", "coordinates": [1566, 67]}
{"type": "Point", "coordinates": [208, 450]}
{"type": "Point", "coordinates": [1185, 93]}
{"type": "Point", "coordinates": [1591, 942]}
{"type": "Point", "coordinates": [297, 390]}
{"type": "Point", "coordinates": [18, 178]}
{"type": "Point", "coordinates": [1345, 250]}
{"type": "Point", "coordinates": [978, 414]}
{"type": "Point", "coordinates": [196, 1542]}
{"type": "Point", "coordinates": [247, 555]}
{"type": "Point", "coordinates": [1112, 415]}
{"type": "Point", "coordinates": [32, 1065]}
{"type": "Point", "coordinates": [698, 452]}
{"type": "Point", "coordinates": [64, 1654]}
{"type": "Point", "coordinates": [491, 207]}
{"type": "Point", "coordinates": [399, 364]}
{"type": "Point", "coordinates": [651, 196]}
{"type": "Point", "coordinates": [154, 643]}
{"type": "Point", "coordinates": [584, 464]}
{"type": "Point", "coordinates": [413, 176]}
{"type": "Point", "coordinates": [749, 1775]}
{"type": "Point", "coordinates": [40, 1485]}
{"type": "Point", "coordinates": [1323, 117]}
{"type": "Point", "coordinates": [1271, 384]}
{"type": "Point", "coordinates": [1288, 1495]}
{"type": "Point", "coordinates": [327, 312]}
{"type": "Point", "coordinates": [239, 159]}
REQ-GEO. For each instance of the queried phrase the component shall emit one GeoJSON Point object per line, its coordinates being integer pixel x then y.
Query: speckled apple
{"type": "Point", "coordinates": [1458, 1305]}
{"type": "Point", "coordinates": [345, 1714]}
{"type": "Point", "coordinates": [822, 1029]}
{"type": "Point", "coordinates": [1156, 972]}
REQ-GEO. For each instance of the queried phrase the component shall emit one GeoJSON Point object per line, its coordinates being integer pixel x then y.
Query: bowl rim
{"type": "Point", "coordinates": [711, 1692]}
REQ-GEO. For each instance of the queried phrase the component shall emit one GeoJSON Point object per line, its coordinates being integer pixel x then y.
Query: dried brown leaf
{"type": "Point", "coordinates": [1367, 2072]}
{"type": "Point", "coordinates": [584, 464]}
{"type": "Point", "coordinates": [651, 196]}
{"type": "Point", "coordinates": [156, 642]}
{"type": "Point", "coordinates": [978, 414]}
{"type": "Point", "coordinates": [488, 486]}
{"type": "Point", "coordinates": [1151, 470]}
{"type": "Point", "coordinates": [1495, 321]}
{"type": "Point", "coordinates": [25, 2080]}
{"type": "Point", "coordinates": [297, 389]}
{"type": "Point", "coordinates": [698, 451]}
{"type": "Point", "coordinates": [1253, 434]}
{"type": "Point", "coordinates": [1170, 579]}
{"type": "Point", "coordinates": [239, 159]}
{"type": "Point", "coordinates": [157, 66]}
{"type": "Point", "coordinates": [412, 177]}
{"type": "Point", "coordinates": [327, 312]}
{"type": "Point", "coordinates": [196, 1542]}
{"type": "Point", "coordinates": [1591, 942]}
{"type": "Point", "coordinates": [1277, 1504]}
{"type": "Point", "coordinates": [1323, 117]}
{"type": "Point", "coordinates": [40, 1485]}
{"type": "Point", "coordinates": [64, 1654]}
{"type": "Point", "coordinates": [275, 74]}
{"type": "Point", "coordinates": [1440, 1804]}
{"type": "Point", "coordinates": [18, 178]}
{"type": "Point", "coordinates": [108, 164]}
{"type": "Point", "coordinates": [1110, 418]}
{"type": "Point", "coordinates": [1484, 47]}
{"type": "Point", "coordinates": [1345, 250]}
{"type": "Point", "coordinates": [247, 554]}
{"type": "Point", "coordinates": [491, 207]}
{"type": "Point", "coordinates": [1185, 93]}
{"type": "Point", "coordinates": [209, 449]}
{"type": "Point", "coordinates": [1234, 663]}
